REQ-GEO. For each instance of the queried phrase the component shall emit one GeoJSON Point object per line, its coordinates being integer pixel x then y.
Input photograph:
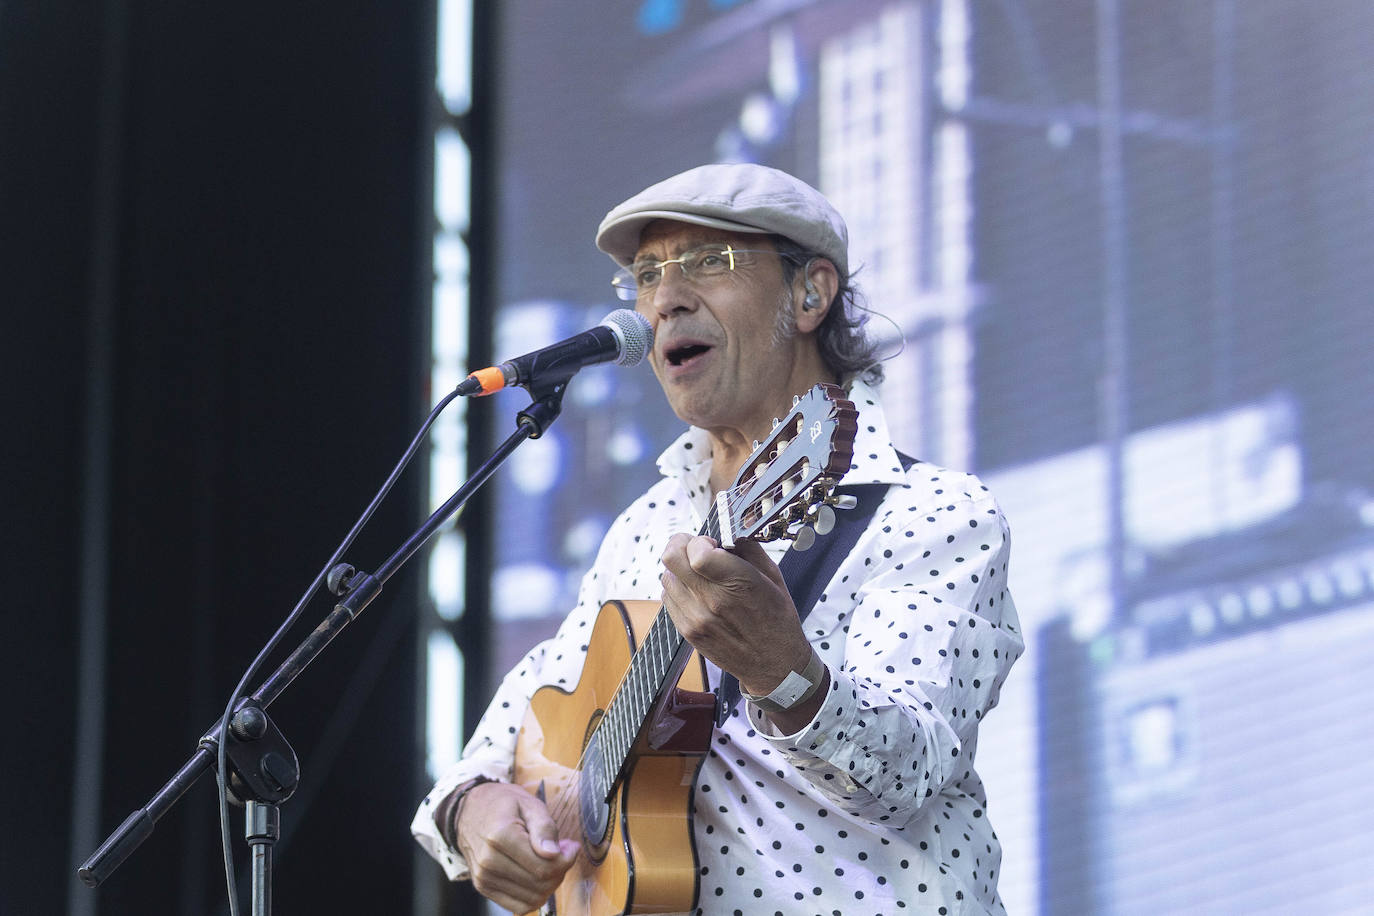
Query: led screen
{"type": "Point", "coordinates": [1121, 254]}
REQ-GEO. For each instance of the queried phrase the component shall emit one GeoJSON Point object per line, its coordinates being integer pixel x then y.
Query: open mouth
{"type": "Point", "coordinates": [679, 355]}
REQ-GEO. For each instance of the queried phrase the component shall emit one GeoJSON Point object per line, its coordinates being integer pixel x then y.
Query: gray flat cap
{"type": "Point", "coordinates": [741, 197]}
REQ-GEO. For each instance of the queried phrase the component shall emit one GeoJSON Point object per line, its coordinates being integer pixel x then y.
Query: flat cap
{"type": "Point", "coordinates": [741, 197]}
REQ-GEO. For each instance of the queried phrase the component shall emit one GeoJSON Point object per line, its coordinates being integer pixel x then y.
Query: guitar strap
{"type": "Point", "coordinates": [808, 572]}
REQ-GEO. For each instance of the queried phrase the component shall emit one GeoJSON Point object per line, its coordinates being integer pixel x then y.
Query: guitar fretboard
{"type": "Point", "coordinates": [659, 658]}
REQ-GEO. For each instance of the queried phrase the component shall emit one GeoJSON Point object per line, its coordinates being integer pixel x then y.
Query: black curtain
{"type": "Point", "coordinates": [215, 279]}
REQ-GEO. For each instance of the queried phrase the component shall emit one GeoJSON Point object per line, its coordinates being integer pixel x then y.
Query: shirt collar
{"type": "Point", "coordinates": [875, 457]}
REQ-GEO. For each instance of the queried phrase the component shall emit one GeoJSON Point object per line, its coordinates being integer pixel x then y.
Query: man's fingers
{"type": "Point", "coordinates": [542, 830]}
{"type": "Point", "coordinates": [698, 561]}
{"type": "Point", "coordinates": [520, 888]}
{"type": "Point", "coordinates": [521, 874]}
{"type": "Point", "coordinates": [737, 569]}
{"type": "Point", "coordinates": [678, 571]}
{"type": "Point", "coordinates": [520, 856]}
{"type": "Point", "coordinates": [512, 847]}
{"type": "Point", "coordinates": [527, 843]}
{"type": "Point", "coordinates": [516, 896]}
{"type": "Point", "coordinates": [752, 552]}
{"type": "Point", "coordinates": [676, 558]}
{"type": "Point", "coordinates": [701, 554]}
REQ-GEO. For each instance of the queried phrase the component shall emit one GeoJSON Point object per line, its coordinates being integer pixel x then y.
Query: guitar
{"type": "Point", "coordinates": [615, 760]}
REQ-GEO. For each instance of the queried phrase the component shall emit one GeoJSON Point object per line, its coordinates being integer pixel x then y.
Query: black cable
{"type": "Point", "coordinates": [221, 770]}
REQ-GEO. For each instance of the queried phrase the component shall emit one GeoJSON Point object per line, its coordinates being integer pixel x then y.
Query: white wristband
{"type": "Point", "coordinates": [795, 689]}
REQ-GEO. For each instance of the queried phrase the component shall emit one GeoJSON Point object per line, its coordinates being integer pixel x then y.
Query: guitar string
{"type": "Point", "coordinates": [565, 807]}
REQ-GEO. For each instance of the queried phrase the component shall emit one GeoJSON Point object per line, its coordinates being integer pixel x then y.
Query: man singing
{"type": "Point", "coordinates": [841, 779]}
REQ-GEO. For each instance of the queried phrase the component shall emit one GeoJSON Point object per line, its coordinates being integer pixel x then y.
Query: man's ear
{"type": "Point", "coordinates": [820, 282]}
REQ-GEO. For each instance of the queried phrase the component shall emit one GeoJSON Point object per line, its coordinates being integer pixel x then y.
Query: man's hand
{"type": "Point", "coordinates": [734, 608]}
{"type": "Point", "coordinates": [511, 846]}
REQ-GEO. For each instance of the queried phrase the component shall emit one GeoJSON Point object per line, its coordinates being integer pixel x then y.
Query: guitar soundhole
{"type": "Point", "coordinates": [596, 814]}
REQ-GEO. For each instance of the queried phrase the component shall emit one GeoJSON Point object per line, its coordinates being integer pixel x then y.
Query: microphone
{"type": "Point", "coordinates": [624, 336]}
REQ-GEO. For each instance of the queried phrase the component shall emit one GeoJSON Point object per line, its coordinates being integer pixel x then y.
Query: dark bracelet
{"type": "Point", "coordinates": [446, 813]}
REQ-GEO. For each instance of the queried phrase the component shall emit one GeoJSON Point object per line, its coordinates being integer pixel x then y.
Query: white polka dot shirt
{"type": "Point", "coordinates": [875, 806]}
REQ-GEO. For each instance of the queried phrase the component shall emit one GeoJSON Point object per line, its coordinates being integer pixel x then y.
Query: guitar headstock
{"type": "Point", "coordinates": [789, 477]}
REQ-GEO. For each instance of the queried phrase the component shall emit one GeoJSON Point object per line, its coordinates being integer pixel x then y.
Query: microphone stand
{"type": "Point", "coordinates": [263, 766]}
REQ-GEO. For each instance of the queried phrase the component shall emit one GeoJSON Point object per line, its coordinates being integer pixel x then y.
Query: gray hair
{"type": "Point", "coordinates": [843, 345]}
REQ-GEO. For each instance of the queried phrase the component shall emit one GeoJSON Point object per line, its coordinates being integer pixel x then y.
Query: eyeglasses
{"type": "Point", "coordinates": [642, 277]}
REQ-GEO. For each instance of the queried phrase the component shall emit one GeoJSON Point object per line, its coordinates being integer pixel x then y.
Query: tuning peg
{"type": "Point", "coordinates": [823, 519]}
{"type": "Point", "coordinates": [843, 501]}
{"type": "Point", "coordinates": [803, 538]}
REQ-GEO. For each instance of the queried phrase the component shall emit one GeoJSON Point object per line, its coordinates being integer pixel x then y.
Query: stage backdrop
{"type": "Point", "coordinates": [1121, 255]}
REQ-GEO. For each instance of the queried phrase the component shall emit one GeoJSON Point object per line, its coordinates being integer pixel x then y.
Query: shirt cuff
{"type": "Point", "coordinates": [823, 739]}
{"type": "Point", "coordinates": [426, 831]}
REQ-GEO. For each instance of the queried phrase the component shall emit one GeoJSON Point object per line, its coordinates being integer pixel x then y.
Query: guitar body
{"type": "Point", "coordinates": [637, 853]}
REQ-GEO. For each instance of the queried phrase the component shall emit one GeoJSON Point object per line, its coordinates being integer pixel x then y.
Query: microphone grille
{"type": "Point", "coordinates": [633, 332]}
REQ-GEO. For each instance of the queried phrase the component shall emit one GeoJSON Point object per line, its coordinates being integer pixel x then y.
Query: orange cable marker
{"type": "Point", "coordinates": [490, 378]}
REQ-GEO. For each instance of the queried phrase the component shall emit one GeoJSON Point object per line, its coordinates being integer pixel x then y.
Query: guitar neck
{"type": "Point", "coordinates": [657, 664]}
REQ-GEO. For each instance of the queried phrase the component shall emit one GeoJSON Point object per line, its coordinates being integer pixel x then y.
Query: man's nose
{"type": "Point", "coordinates": [674, 292]}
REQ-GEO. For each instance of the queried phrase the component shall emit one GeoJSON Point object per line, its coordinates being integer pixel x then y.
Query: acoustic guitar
{"type": "Point", "coordinates": [616, 758]}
